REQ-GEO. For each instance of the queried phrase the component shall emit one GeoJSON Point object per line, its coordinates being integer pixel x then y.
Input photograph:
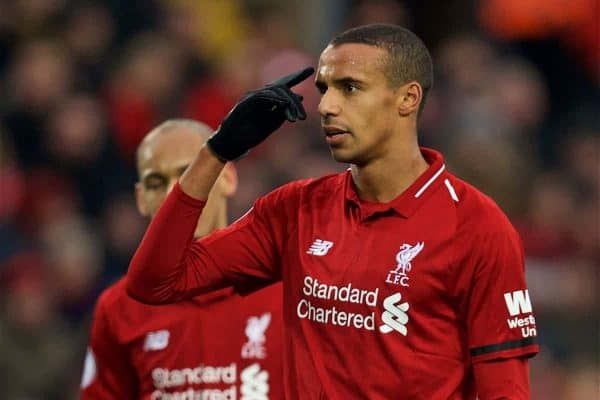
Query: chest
{"type": "Point", "coordinates": [387, 253]}
{"type": "Point", "coordinates": [206, 347]}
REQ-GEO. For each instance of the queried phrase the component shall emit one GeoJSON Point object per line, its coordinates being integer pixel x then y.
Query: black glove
{"type": "Point", "coordinates": [258, 114]}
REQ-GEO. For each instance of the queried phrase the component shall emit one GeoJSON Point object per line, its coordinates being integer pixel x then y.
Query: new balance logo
{"type": "Point", "coordinates": [156, 340]}
{"type": "Point", "coordinates": [319, 247]}
{"type": "Point", "coordinates": [395, 316]}
{"type": "Point", "coordinates": [518, 302]}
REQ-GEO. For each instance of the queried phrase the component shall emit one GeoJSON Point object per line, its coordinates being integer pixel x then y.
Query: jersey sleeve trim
{"type": "Point", "coordinates": [495, 348]}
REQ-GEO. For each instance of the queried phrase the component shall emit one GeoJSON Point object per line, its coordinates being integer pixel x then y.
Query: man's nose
{"type": "Point", "coordinates": [329, 106]}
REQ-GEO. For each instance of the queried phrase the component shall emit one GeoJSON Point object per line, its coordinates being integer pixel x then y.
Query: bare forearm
{"type": "Point", "coordinates": [201, 175]}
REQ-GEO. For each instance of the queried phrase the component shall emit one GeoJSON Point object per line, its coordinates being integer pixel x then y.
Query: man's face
{"type": "Point", "coordinates": [162, 161]}
{"type": "Point", "coordinates": [358, 106]}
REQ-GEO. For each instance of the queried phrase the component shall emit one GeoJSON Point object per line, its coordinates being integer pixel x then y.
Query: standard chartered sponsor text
{"type": "Point", "coordinates": [191, 394]}
{"type": "Point", "coordinates": [164, 378]}
{"type": "Point", "coordinates": [254, 383]}
{"type": "Point", "coordinates": [334, 315]}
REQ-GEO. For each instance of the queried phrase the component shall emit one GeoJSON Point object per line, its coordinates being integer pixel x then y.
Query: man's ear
{"type": "Point", "coordinates": [228, 181]}
{"type": "Point", "coordinates": [409, 98]}
{"type": "Point", "coordinates": [140, 201]}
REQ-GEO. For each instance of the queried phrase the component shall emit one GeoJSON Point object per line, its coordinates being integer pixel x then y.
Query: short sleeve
{"type": "Point", "coordinates": [497, 306]}
{"type": "Point", "coordinates": [107, 373]}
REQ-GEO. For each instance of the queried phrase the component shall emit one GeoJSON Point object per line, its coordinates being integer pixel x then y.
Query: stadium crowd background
{"type": "Point", "coordinates": [514, 109]}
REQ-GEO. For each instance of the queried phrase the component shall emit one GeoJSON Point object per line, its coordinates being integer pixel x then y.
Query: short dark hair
{"type": "Point", "coordinates": [408, 58]}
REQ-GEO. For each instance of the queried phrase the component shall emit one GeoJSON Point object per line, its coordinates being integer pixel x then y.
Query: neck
{"type": "Point", "coordinates": [385, 178]}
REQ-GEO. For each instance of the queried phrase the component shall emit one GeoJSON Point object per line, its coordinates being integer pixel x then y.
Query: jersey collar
{"type": "Point", "coordinates": [407, 202]}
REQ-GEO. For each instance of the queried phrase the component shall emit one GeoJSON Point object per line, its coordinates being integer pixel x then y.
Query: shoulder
{"type": "Point", "coordinates": [477, 213]}
{"type": "Point", "coordinates": [485, 241]}
{"type": "Point", "coordinates": [113, 297]}
{"type": "Point", "coordinates": [299, 188]}
{"type": "Point", "coordinates": [107, 307]}
{"type": "Point", "coordinates": [296, 194]}
{"type": "Point", "coordinates": [325, 185]}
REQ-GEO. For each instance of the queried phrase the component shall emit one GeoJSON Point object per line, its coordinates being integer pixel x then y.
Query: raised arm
{"type": "Point", "coordinates": [252, 120]}
{"type": "Point", "coordinates": [168, 266]}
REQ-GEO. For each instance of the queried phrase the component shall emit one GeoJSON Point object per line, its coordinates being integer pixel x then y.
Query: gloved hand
{"type": "Point", "coordinates": [258, 114]}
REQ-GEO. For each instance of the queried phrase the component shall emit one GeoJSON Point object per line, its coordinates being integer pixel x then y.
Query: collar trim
{"type": "Point", "coordinates": [430, 181]}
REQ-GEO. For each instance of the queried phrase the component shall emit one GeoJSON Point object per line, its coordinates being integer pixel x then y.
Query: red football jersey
{"type": "Point", "coordinates": [382, 301]}
{"type": "Point", "coordinates": [216, 346]}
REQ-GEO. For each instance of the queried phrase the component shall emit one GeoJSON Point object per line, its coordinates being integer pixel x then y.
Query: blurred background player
{"type": "Point", "coordinates": [214, 346]}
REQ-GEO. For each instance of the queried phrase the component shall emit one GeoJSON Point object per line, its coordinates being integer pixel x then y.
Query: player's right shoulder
{"type": "Point", "coordinates": [298, 189]}
{"type": "Point", "coordinates": [285, 201]}
{"type": "Point", "coordinates": [113, 296]}
{"type": "Point", "coordinates": [288, 190]}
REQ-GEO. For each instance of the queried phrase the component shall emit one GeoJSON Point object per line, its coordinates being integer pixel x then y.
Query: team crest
{"type": "Point", "coordinates": [399, 275]}
{"type": "Point", "coordinates": [255, 331]}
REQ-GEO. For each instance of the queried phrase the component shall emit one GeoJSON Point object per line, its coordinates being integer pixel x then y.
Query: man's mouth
{"type": "Point", "coordinates": [335, 135]}
{"type": "Point", "coordinates": [333, 131]}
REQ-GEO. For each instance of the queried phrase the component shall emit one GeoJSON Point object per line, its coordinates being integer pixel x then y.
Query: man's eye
{"type": "Point", "coordinates": [155, 183]}
{"type": "Point", "coordinates": [350, 87]}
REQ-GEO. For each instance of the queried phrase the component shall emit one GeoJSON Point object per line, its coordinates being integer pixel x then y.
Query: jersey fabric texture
{"type": "Point", "coordinates": [382, 300]}
{"type": "Point", "coordinates": [216, 346]}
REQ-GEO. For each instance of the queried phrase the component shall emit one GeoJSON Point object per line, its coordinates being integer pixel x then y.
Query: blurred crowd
{"type": "Point", "coordinates": [514, 109]}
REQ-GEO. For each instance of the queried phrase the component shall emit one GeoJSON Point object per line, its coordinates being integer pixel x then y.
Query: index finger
{"type": "Point", "coordinates": [294, 78]}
